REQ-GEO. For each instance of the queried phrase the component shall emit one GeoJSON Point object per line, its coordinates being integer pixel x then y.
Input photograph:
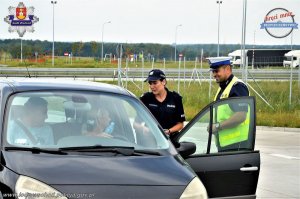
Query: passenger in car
{"type": "Point", "coordinates": [99, 123]}
{"type": "Point", "coordinates": [30, 128]}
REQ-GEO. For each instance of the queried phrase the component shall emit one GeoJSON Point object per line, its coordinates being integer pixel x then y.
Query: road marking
{"type": "Point", "coordinates": [284, 156]}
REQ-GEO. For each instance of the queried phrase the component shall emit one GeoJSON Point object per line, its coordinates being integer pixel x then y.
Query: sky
{"type": "Point", "coordinates": [152, 21]}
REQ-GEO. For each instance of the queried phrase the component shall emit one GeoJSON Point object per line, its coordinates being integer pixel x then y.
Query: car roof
{"type": "Point", "coordinates": [33, 84]}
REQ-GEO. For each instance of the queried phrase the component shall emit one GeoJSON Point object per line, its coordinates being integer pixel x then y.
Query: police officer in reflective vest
{"type": "Point", "coordinates": [231, 125]}
{"type": "Point", "coordinates": [166, 106]}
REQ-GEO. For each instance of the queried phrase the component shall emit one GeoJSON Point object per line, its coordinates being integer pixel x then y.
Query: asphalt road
{"type": "Point", "coordinates": [280, 162]}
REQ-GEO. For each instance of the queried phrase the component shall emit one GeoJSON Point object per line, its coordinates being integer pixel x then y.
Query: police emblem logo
{"type": "Point", "coordinates": [21, 13]}
{"type": "Point", "coordinates": [21, 19]}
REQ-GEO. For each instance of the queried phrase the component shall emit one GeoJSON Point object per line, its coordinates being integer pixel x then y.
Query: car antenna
{"type": "Point", "coordinates": [27, 70]}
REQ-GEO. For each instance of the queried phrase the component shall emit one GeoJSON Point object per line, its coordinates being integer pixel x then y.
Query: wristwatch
{"type": "Point", "coordinates": [218, 126]}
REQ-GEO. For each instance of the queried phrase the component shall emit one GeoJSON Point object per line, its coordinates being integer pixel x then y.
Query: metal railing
{"type": "Point", "coordinates": [259, 74]}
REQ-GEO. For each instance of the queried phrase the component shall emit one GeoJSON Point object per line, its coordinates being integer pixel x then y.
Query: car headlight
{"type": "Point", "coordinates": [29, 188]}
{"type": "Point", "coordinates": [194, 190]}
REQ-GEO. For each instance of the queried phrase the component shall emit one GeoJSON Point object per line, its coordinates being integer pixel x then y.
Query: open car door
{"type": "Point", "coordinates": [225, 161]}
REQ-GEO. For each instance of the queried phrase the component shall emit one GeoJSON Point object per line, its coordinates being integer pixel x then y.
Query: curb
{"type": "Point", "coordinates": [283, 129]}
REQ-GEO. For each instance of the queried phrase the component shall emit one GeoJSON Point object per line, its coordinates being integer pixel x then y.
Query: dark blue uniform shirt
{"type": "Point", "coordinates": [169, 112]}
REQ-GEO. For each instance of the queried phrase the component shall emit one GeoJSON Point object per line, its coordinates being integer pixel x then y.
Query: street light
{"type": "Point", "coordinates": [219, 2]}
{"type": "Point", "coordinates": [102, 39]}
{"type": "Point", "coordinates": [53, 3]}
{"type": "Point", "coordinates": [243, 55]}
{"type": "Point", "coordinates": [176, 40]}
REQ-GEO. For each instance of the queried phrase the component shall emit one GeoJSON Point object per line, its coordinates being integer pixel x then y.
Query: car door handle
{"type": "Point", "coordinates": [249, 168]}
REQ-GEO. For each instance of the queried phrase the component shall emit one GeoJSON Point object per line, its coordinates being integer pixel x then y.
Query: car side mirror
{"type": "Point", "coordinates": [186, 148]}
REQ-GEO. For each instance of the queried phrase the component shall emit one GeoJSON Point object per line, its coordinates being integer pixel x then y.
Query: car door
{"type": "Point", "coordinates": [231, 170]}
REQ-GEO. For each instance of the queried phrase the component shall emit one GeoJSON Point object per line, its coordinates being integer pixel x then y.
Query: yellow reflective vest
{"type": "Point", "coordinates": [236, 134]}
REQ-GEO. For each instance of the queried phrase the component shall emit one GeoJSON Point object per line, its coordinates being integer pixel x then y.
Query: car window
{"type": "Point", "coordinates": [239, 136]}
{"type": "Point", "coordinates": [71, 119]}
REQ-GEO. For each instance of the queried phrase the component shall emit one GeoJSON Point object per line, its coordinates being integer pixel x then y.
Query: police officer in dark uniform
{"type": "Point", "coordinates": [165, 105]}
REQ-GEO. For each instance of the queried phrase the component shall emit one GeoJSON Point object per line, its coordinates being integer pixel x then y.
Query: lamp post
{"type": "Point", "coordinates": [243, 43]}
{"type": "Point", "coordinates": [102, 39]}
{"type": "Point", "coordinates": [218, 52]}
{"type": "Point", "coordinates": [21, 50]}
{"type": "Point", "coordinates": [53, 3]}
{"type": "Point", "coordinates": [176, 40]}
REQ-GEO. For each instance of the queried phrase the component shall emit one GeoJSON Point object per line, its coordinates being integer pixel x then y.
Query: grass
{"type": "Point", "coordinates": [195, 97]}
{"type": "Point", "coordinates": [91, 62]}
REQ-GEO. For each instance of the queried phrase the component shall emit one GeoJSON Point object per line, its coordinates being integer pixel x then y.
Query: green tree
{"type": "Point", "coordinates": [15, 51]}
{"type": "Point", "coordinates": [74, 48]}
{"type": "Point", "coordinates": [28, 52]}
{"type": "Point", "coordinates": [80, 46]}
{"type": "Point", "coordinates": [94, 47]}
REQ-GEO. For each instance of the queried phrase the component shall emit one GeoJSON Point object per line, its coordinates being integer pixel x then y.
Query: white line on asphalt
{"type": "Point", "coordinates": [284, 156]}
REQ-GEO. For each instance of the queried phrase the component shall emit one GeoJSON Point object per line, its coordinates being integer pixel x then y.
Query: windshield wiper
{"type": "Point", "coordinates": [35, 150]}
{"type": "Point", "coordinates": [99, 148]}
{"type": "Point", "coordinates": [124, 150]}
{"type": "Point", "coordinates": [146, 152]}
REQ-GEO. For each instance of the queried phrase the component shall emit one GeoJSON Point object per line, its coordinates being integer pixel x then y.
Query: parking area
{"type": "Point", "coordinates": [280, 162]}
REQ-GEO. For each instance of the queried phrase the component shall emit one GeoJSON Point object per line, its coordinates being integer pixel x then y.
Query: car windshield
{"type": "Point", "coordinates": [80, 119]}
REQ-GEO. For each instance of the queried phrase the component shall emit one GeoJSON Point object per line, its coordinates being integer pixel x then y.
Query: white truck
{"type": "Point", "coordinates": [295, 54]}
{"type": "Point", "coordinates": [259, 57]}
{"type": "Point", "coordinates": [236, 57]}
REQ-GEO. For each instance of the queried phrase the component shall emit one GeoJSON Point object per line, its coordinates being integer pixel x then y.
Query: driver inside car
{"type": "Point", "coordinates": [30, 128]}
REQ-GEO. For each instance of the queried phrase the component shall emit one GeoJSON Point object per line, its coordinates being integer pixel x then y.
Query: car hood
{"type": "Point", "coordinates": [87, 169]}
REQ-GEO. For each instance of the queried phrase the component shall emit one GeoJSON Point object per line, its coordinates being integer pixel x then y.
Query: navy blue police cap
{"type": "Point", "coordinates": [155, 74]}
{"type": "Point", "coordinates": [216, 62]}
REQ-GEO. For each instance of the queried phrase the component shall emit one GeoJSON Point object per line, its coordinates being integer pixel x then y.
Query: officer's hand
{"type": "Point", "coordinates": [214, 129]}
